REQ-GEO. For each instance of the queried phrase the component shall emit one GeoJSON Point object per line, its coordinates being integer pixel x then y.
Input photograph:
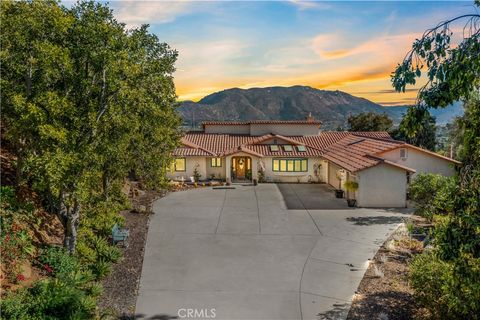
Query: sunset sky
{"type": "Point", "coordinates": [351, 46]}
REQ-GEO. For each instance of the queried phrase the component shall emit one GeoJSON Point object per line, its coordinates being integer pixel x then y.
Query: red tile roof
{"type": "Point", "coordinates": [190, 152]}
{"type": "Point", "coordinates": [353, 151]}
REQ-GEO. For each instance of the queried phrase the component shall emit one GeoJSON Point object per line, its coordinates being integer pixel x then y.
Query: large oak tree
{"type": "Point", "coordinates": [84, 102]}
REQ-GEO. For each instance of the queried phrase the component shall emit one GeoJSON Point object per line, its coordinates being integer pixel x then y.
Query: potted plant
{"type": "Point", "coordinates": [339, 191]}
{"type": "Point", "coordinates": [351, 186]}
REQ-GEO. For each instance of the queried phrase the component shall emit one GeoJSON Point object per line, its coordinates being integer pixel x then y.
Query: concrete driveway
{"type": "Point", "coordinates": [241, 254]}
{"type": "Point", "coordinates": [311, 197]}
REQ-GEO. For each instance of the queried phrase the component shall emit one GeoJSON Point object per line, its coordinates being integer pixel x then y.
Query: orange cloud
{"type": "Point", "coordinates": [331, 46]}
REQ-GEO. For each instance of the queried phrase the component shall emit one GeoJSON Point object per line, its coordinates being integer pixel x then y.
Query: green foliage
{"type": "Point", "coordinates": [69, 293]}
{"type": "Point", "coordinates": [459, 233]}
{"type": "Point", "coordinates": [7, 197]}
{"type": "Point", "coordinates": [432, 194]}
{"type": "Point", "coordinates": [15, 240]}
{"type": "Point", "coordinates": [96, 254]}
{"type": "Point", "coordinates": [450, 290]}
{"type": "Point", "coordinates": [453, 74]}
{"type": "Point", "coordinates": [369, 122]}
{"type": "Point", "coordinates": [261, 176]}
{"type": "Point", "coordinates": [61, 263]}
{"type": "Point", "coordinates": [418, 128]}
{"type": "Point", "coordinates": [85, 102]}
{"type": "Point", "coordinates": [196, 174]}
{"type": "Point", "coordinates": [351, 185]}
{"type": "Point", "coordinates": [453, 71]}
{"type": "Point", "coordinates": [101, 268]}
{"type": "Point", "coordinates": [49, 299]}
{"type": "Point", "coordinates": [448, 280]}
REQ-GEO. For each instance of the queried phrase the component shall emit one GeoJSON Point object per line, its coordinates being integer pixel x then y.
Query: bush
{"type": "Point", "coordinates": [432, 194]}
{"type": "Point", "coordinates": [57, 259]}
{"type": "Point", "coordinates": [15, 239]}
{"type": "Point", "coordinates": [48, 299]}
{"type": "Point", "coordinates": [97, 254]}
{"type": "Point", "coordinates": [450, 290]}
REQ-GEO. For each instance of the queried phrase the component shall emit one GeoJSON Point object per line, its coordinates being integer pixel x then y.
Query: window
{"type": "Point", "coordinates": [276, 165]}
{"type": "Point", "coordinates": [301, 148]}
{"type": "Point", "coordinates": [180, 164]}
{"type": "Point", "coordinates": [290, 165]}
{"type": "Point", "coordinates": [287, 148]}
{"type": "Point", "coordinates": [403, 153]}
{"type": "Point", "coordinates": [216, 162]}
{"type": "Point", "coordinates": [273, 147]}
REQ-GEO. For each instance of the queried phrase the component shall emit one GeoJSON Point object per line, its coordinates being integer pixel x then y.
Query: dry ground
{"type": "Point", "coordinates": [384, 292]}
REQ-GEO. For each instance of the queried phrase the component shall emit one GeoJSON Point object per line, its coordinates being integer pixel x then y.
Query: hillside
{"type": "Point", "coordinates": [287, 103]}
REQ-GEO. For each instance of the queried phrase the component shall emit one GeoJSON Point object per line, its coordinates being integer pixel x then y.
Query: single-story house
{"type": "Point", "coordinates": [298, 151]}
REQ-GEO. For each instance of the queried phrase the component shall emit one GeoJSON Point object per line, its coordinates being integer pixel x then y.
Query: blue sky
{"type": "Point", "coordinates": [346, 45]}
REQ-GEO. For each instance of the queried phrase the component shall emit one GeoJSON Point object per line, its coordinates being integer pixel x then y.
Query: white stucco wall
{"type": "Point", "coordinates": [308, 176]}
{"type": "Point", "coordinates": [232, 129]}
{"type": "Point", "coordinates": [284, 129]}
{"type": "Point", "coordinates": [219, 172]}
{"type": "Point", "coordinates": [422, 162]}
{"type": "Point", "coordinates": [190, 163]}
{"type": "Point", "coordinates": [382, 186]}
{"type": "Point", "coordinates": [332, 176]}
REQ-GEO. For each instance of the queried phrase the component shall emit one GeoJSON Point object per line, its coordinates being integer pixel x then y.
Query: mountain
{"type": "Point", "coordinates": [284, 103]}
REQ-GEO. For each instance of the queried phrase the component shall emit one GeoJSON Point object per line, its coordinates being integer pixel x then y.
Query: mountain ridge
{"type": "Point", "coordinates": [290, 103]}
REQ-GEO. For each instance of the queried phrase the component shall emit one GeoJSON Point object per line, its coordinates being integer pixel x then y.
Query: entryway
{"type": "Point", "coordinates": [241, 169]}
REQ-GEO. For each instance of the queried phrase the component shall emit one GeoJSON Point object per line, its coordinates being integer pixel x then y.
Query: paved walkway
{"type": "Point", "coordinates": [241, 254]}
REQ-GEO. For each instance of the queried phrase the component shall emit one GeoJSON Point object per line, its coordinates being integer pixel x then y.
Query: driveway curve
{"type": "Point", "coordinates": [241, 254]}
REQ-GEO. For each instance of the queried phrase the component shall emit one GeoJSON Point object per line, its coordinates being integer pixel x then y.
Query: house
{"type": "Point", "coordinates": [298, 151]}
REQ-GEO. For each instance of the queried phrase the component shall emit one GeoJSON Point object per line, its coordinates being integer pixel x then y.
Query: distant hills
{"type": "Point", "coordinates": [292, 103]}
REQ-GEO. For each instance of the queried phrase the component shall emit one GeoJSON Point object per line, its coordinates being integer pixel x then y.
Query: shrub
{"type": "Point", "coordinates": [432, 194]}
{"type": "Point", "coordinates": [16, 245]}
{"type": "Point", "coordinates": [48, 299]}
{"type": "Point", "coordinates": [449, 289]}
{"type": "Point", "coordinates": [61, 263]}
{"type": "Point", "coordinates": [101, 268]}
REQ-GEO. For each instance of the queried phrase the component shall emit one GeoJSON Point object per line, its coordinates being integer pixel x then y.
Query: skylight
{"type": "Point", "coordinates": [287, 148]}
{"type": "Point", "coordinates": [274, 147]}
{"type": "Point", "coordinates": [301, 148]}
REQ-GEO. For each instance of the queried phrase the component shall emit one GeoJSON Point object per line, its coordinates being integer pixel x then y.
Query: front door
{"type": "Point", "coordinates": [240, 165]}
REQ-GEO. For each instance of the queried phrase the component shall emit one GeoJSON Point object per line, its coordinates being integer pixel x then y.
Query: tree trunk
{"type": "Point", "coordinates": [18, 169]}
{"type": "Point", "coordinates": [105, 184]}
{"type": "Point", "coordinates": [69, 215]}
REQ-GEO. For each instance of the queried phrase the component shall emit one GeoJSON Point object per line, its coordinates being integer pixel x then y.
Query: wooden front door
{"type": "Point", "coordinates": [240, 166]}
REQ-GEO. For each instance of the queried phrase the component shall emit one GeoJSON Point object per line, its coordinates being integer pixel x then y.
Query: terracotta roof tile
{"type": "Point", "coordinates": [190, 152]}
{"type": "Point", "coordinates": [353, 151]}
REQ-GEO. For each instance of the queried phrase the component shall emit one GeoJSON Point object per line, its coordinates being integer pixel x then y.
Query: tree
{"type": "Point", "coordinates": [85, 102]}
{"type": "Point", "coordinates": [452, 70]}
{"type": "Point", "coordinates": [418, 128]}
{"type": "Point", "coordinates": [453, 73]}
{"type": "Point", "coordinates": [369, 121]}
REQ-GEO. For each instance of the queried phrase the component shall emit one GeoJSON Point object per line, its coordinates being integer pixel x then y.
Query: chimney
{"type": "Point", "coordinates": [310, 118]}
